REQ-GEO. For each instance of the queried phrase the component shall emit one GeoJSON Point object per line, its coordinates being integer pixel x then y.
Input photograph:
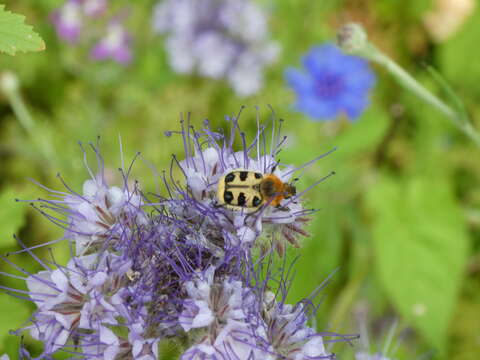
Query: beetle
{"type": "Point", "coordinates": [248, 191]}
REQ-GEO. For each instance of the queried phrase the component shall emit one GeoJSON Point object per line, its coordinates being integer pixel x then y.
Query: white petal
{"type": "Point", "coordinates": [90, 188]}
{"type": "Point", "coordinates": [314, 347]}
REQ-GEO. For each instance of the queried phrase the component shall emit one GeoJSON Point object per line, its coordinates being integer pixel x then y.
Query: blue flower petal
{"type": "Point", "coordinates": [334, 83]}
{"type": "Point", "coordinates": [298, 80]}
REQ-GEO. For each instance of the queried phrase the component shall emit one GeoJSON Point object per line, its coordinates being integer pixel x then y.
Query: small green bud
{"type": "Point", "coordinates": [8, 82]}
{"type": "Point", "coordinates": [352, 38]}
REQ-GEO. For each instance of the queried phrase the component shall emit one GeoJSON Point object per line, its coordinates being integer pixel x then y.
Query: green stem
{"type": "Point", "coordinates": [389, 339]}
{"type": "Point", "coordinates": [353, 39]}
{"type": "Point", "coordinates": [10, 87]}
{"type": "Point", "coordinates": [407, 81]}
{"type": "Point", "coordinates": [349, 295]}
{"type": "Point", "coordinates": [21, 112]}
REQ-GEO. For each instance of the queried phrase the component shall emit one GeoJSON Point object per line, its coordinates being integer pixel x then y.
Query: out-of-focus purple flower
{"type": "Point", "coordinates": [332, 84]}
{"type": "Point", "coordinates": [89, 21]}
{"type": "Point", "coordinates": [114, 45]}
{"type": "Point", "coordinates": [68, 20]}
{"type": "Point", "coordinates": [373, 350]}
{"type": "Point", "coordinates": [217, 39]}
{"type": "Point", "coordinates": [94, 7]}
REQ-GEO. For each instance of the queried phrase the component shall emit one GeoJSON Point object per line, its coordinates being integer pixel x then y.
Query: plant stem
{"type": "Point", "coordinates": [353, 39]}
{"type": "Point", "coordinates": [407, 81]}
{"type": "Point", "coordinates": [349, 294]}
{"type": "Point", "coordinates": [21, 111]}
{"type": "Point", "coordinates": [9, 84]}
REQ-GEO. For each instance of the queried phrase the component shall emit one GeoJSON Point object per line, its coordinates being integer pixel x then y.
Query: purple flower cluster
{"type": "Point", "coordinates": [333, 84]}
{"type": "Point", "coordinates": [217, 39]}
{"type": "Point", "coordinates": [178, 266]}
{"type": "Point", "coordinates": [87, 20]}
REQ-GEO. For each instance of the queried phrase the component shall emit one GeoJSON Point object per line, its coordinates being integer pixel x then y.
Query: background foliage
{"type": "Point", "coordinates": [399, 222]}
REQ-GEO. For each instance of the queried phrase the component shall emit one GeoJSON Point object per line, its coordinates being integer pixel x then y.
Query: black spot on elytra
{"type": "Point", "coordinates": [230, 177]}
{"type": "Point", "coordinates": [243, 175]}
{"type": "Point", "coordinates": [258, 176]}
{"type": "Point", "coordinates": [256, 201]}
{"type": "Point", "coordinates": [242, 200]}
{"type": "Point", "coordinates": [228, 197]}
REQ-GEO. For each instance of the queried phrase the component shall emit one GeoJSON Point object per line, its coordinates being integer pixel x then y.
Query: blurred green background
{"type": "Point", "coordinates": [400, 222]}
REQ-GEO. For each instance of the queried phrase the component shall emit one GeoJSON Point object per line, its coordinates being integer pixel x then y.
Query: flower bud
{"type": "Point", "coordinates": [352, 38]}
{"type": "Point", "coordinates": [8, 82]}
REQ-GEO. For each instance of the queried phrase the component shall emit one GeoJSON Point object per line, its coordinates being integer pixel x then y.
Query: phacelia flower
{"type": "Point", "coordinates": [94, 7]}
{"type": "Point", "coordinates": [68, 20]}
{"type": "Point", "coordinates": [79, 298]}
{"type": "Point", "coordinates": [145, 270]}
{"type": "Point", "coordinates": [290, 335]}
{"type": "Point", "coordinates": [114, 45]}
{"type": "Point", "coordinates": [209, 156]}
{"type": "Point", "coordinates": [228, 313]}
{"type": "Point", "coordinates": [332, 84]}
{"type": "Point", "coordinates": [101, 216]}
{"type": "Point", "coordinates": [91, 22]}
{"type": "Point", "coordinates": [217, 39]}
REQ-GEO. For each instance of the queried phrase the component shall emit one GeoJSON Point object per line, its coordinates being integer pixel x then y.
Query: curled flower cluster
{"type": "Point", "coordinates": [217, 39]}
{"type": "Point", "coordinates": [87, 21]}
{"type": "Point", "coordinates": [180, 266]}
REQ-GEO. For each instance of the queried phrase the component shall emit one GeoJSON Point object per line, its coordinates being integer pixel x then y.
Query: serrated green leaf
{"type": "Point", "coordinates": [12, 217]}
{"type": "Point", "coordinates": [15, 35]}
{"type": "Point", "coordinates": [420, 246]}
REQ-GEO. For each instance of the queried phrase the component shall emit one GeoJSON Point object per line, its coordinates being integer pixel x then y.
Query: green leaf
{"type": "Point", "coordinates": [420, 246]}
{"type": "Point", "coordinates": [15, 35]}
{"type": "Point", "coordinates": [12, 217]}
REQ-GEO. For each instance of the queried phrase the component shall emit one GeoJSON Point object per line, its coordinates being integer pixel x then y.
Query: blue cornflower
{"type": "Point", "coordinates": [333, 84]}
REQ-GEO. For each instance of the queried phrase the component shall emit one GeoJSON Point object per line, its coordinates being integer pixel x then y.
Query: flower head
{"type": "Point", "coordinates": [209, 156]}
{"type": "Point", "coordinates": [77, 299]}
{"type": "Point", "coordinates": [332, 84]}
{"type": "Point", "coordinates": [289, 334]}
{"type": "Point", "coordinates": [68, 20]}
{"type": "Point", "coordinates": [217, 39]}
{"type": "Point", "coordinates": [90, 22]}
{"type": "Point", "coordinates": [182, 269]}
{"type": "Point", "coordinates": [94, 7]}
{"type": "Point", "coordinates": [114, 45]}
